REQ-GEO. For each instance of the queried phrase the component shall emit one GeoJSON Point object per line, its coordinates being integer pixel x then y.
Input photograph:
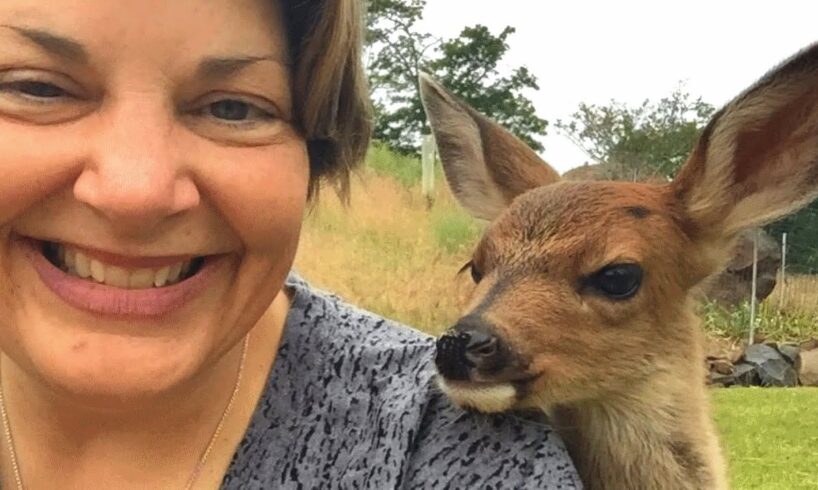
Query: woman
{"type": "Point", "coordinates": [157, 158]}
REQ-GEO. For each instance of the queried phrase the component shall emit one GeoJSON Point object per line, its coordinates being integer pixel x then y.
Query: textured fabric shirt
{"type": "Point", "coordinates": [351, 403]}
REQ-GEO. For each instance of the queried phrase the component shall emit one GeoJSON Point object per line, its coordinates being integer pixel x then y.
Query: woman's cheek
{"type": "Point", "coordinates": [35, 162]}
{"type": "Point", "coordinates": [263, 197]}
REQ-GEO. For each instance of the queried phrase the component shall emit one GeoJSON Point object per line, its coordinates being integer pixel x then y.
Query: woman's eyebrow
{"type": "Point", "coordinates": [224, 67]}
{"type": "Point", "coordinates": [53, 44]}
{"type": "Point", "coordinates": [73, 51]}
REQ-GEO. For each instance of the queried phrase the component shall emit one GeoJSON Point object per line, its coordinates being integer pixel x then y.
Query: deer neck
{"type": "Point", "coordinates": [657, 436]}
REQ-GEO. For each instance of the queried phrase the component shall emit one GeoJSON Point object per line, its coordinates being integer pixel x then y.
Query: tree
{"type": "Point", "coordinates": [802, 239]}
{"type": "Point", "coordinates": [468, 65]}
{"type": "Point", "coordinates": [652, 139]}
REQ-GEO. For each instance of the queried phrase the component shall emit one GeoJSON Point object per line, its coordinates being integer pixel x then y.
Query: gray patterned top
{"type": "Point", "coordinates": [351, 404]}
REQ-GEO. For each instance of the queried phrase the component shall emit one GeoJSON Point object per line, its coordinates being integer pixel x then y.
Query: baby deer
{"type": "Point", "coordinates": [583, 304]}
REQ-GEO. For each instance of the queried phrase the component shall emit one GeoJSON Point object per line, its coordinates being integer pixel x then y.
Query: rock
{"type": "Point", "coordinates": [725, 380]}
{"type": "Point", "coordinates": [772, 368]}
{"type": "Point", "coordinates": [734, 285]}
{"type": "Point", "coordinates": [808, 374]}
{"type": "Point", "coordinates": [746, 375]}
{"type": "Point", "coordinates": [792, 353]}
{"type": "Point", "coordinates": [720, 371]}
{"type": "Point", "coordinates": [720, 366]}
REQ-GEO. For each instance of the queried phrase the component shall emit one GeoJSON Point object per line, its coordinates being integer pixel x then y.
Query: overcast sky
{"type": "Point", "coordinates": [632, 50]}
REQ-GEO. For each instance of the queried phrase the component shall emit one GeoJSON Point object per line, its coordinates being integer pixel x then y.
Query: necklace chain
{"type": "Point", "coordinates": [202, 459]}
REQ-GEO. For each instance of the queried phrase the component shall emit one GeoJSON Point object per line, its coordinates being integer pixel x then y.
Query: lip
{"type": "Point", "coordinates": [116, 302]}
{"type": "Point", "coordinates": [130, 262]}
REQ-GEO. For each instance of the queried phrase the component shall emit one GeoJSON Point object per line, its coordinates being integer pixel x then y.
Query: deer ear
{"type": "Point", "coordinates": [757, 159]}
{"type": "Point", "coordinates": [485, 165]}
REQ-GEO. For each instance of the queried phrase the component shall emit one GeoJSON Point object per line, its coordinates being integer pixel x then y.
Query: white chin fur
{"type": "Point", "coordinates": [488, 399]}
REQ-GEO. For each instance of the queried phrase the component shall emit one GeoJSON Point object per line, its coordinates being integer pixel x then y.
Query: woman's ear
{"type": "Point", "coordinates": [757, 159]}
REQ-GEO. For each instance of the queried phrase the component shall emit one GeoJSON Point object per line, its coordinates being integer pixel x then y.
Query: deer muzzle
{"type": "Point", "coordinates": [471, 348]}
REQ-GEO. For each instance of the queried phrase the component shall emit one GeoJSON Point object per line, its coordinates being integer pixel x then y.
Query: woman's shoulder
{"type": "Point", "coordinates": [342, 327]}
{"type": "Point", "coordinates": [352, 403]}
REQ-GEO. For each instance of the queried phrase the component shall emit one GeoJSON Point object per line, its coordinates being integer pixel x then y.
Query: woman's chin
{"type": "Point", "coordinates": [108, 369]}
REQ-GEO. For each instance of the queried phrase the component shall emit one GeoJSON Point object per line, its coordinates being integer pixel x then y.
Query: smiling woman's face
{"type": "Point", "coordinates": [152, 188]}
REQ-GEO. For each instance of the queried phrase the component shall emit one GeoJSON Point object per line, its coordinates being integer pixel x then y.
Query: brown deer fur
{"type": "Point", "coordinates": [622, 379]}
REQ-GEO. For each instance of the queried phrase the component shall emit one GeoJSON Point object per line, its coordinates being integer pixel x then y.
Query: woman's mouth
{"type": "Point", "coordinates": [108, 284]}
{"type": "Point", "coordinates": [77, 263]}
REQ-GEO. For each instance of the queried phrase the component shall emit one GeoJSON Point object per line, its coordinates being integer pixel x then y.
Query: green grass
{"type": "Point", "coordinates": [453, 230]}
{"type": "Point", "coordinates": [770, 436]}
{"type": "Point", "coordinates": [773, 323]}
{"type": "Point", "coordinates": [404, 169]}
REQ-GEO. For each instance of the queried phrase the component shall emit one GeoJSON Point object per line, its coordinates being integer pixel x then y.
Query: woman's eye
{"type": "Point", "coordinates": [618, 281]}
{"type": "Point", "coordinates": [34, 89]}
{"type": "Point", "coordinates": [231, 110]}
{"type": "Point", "coordinates": [234, 110]}
{"type": "Point", "coordinates": [42, 97]}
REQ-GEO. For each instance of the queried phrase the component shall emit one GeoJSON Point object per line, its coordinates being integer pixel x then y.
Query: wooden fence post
{"type": "Point", "coordinates": [428, 155]}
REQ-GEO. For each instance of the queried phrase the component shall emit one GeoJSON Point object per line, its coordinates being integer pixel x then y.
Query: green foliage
{"type": "Point", "coordinates": [802, 239]}
{"type": "Point", "coordinates": [652, 139]}
{"type": "Point", "coordinates": [468, 65]}
{"type": "Point", "coordinates": [454, 230]}
{"type": "Point", "coordinates": [774, 324]}
{"type": "Point", "coordinates": [405, 169]}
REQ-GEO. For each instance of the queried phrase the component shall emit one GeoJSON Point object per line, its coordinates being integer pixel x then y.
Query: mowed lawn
{"type": "Point", "coordinates": [770, 436]}
{"type": "Point", "coordinates": [387, 253]}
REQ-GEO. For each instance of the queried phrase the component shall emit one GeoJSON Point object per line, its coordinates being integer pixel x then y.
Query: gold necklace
{"type": "Point", "coordinates": [196, 471]}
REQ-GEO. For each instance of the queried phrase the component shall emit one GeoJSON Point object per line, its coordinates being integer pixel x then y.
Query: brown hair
{"type": "Point", "coordinates": [330, 93]}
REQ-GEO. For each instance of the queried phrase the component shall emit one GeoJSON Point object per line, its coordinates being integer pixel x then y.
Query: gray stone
{"type": "Point", "coordinates": [792, 353]}
{"type": "Point", "coordinates": [719, 379]}
{"type": "Point", "coordinates": [773, 369]}
{"type": "Point", "coordinates": [746, 375]}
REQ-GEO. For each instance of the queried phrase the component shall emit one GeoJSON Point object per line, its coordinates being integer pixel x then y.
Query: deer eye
{"type": "Point", "coordinates": [618, 281]}
{"type": "Point", "coordinates": [476, 275]}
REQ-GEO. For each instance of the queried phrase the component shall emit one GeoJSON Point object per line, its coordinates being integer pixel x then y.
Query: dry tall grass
{"type": "Point", "coordinates": [388, 254]}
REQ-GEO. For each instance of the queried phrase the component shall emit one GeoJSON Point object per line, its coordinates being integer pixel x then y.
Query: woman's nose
{"type": "Point", "coordinates": [136, 175]}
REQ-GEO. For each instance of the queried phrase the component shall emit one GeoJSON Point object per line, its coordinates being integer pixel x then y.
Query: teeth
{"type": "Point", "coordinates": [78, 264]}
{"type": "Point", "coordinates": [117, 277]}
{"type": "Point", "coordinates": [174, 272]}
{"type": "Point", "coordinates": [161, 277]}
{"type": "Point", "coordinates": [82, 265]}
{"type": "Point", "coordinates": [97, 271]}
{"type": "Point", "coordinates": [142, 279]}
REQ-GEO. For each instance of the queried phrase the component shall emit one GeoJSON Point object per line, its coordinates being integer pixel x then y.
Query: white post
{"type": "Point", "coordinates": [428, 153]}
{"type": "Point", "coordinates": [754, 288]}
{"type": "Point", "coordinates": [783, 269]}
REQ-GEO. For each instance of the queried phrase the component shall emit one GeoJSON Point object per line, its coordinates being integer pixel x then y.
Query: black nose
{"type": "Point", "coordinates": [470, 344]}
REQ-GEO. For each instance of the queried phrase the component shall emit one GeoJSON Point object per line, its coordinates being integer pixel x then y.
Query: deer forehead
{"type": "Point", "coordinates": [585, 222]}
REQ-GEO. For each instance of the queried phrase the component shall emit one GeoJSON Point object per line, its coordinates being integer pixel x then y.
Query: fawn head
{"type": "Point", "coordinates": [583, 289]}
